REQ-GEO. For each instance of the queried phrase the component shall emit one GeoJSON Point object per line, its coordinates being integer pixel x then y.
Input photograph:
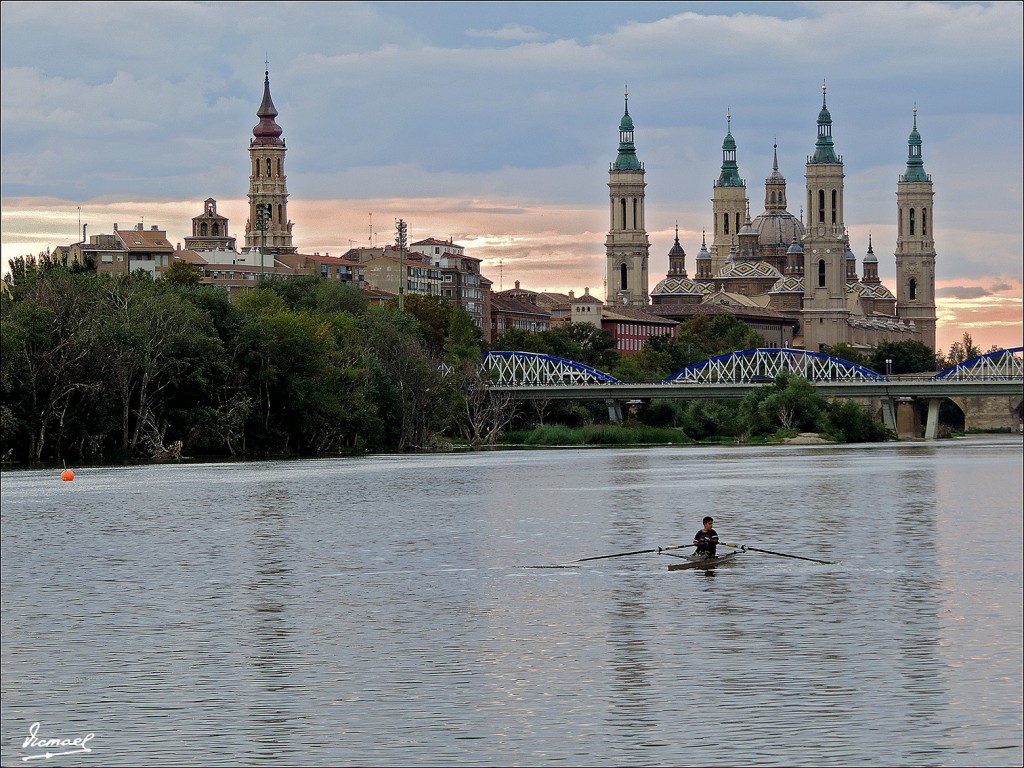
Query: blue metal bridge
{"type": "Point", "coordinates": [533, 376]}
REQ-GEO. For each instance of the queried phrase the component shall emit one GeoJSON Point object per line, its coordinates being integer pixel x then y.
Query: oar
{"type": "Point", "coordinates": [745, 548]}
{"type": "Point", "coordinates": [572, 563]}
{"type": "Point", "coordinates": [637, 552]}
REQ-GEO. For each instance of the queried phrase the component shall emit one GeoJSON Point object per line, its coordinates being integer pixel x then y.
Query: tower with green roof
{"type": "Point", "coordinates": [915, 246]}
{"type": "Point", "coordinates": [627, 248]}
{"type": "Point", "coordinates": [728, 203]}
{"type": "Point", "coordinates": [825, 313]}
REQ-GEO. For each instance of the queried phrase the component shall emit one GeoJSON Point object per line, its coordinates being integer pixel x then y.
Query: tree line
{"type": "Point", "coordinates": [123, 367]}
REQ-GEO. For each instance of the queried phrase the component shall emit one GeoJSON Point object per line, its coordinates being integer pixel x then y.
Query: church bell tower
{"type": "Point", "coordinates": [825, 312]}
{"type": "Point", "coordinates": [627, 247]}
{"type": "Point", "coordinates": [915, 246]}
{"type": "Point", "coordinates": [268, 229]}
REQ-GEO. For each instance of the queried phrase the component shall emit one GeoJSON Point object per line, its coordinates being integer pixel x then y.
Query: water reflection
{"type": "Point", "coordinates": [372, 611]}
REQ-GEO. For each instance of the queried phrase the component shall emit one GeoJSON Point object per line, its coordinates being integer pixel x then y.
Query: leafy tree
{"type": "Point", "coordinates": [908, 356]}
{"type": "Point", "coordinates": [181, 272]}
{"type": "Point", "coordinates": [851, 355]}
{"type": "Point", "coordinates": [583, 343]}
{"type": "Point", "coordinates": [518, 340]}
{"type": "Point", "coordinates": [961, 351]}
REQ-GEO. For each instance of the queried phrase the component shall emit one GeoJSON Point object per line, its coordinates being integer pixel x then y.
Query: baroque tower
{"type": "Point", "coordinates": [268, 227]}
{"type": "Point", "coordinates": [729, 203]}
{"type": "Point", "coordinates": [627, 247]}
{"type": "Point", "coordinates": [825, 311]}
{"type": "Point", "coordinates": [915, 248]}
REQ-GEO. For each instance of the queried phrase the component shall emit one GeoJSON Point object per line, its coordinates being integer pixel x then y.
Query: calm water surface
{"type": "Point", "coordinates": [376, 611]}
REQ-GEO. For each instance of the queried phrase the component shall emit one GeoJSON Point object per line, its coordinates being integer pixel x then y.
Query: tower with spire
{"type": "Point", "coordinates": [915, 246]}
{"type": "Point", "coordinates": [729, 202]}
{"type": "Point", "coordinates": [627, 247]}
{"type": "Point", "coordinates": [825, 313]}
{"type": "Point", "coordinates": [268, 227]}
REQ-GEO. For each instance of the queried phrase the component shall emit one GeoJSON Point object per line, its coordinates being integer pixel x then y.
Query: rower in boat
{"type": "Point", "coordinates": [706, 540]}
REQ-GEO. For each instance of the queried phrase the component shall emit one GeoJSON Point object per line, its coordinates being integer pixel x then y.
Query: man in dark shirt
{"type": "Point", "coordinates": [706, 539]}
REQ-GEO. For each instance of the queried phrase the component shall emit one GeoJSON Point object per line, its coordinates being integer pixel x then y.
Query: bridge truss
{"type": "Point", "coordinates": [535, 369]}
{"type": "Point", "coordinates": [1001, 364]}
{"type": "Point", "coordinates": [763, 365]}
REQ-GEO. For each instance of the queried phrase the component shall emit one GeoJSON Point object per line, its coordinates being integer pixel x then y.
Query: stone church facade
{"type": "Point", "coordinates": [776, 266]}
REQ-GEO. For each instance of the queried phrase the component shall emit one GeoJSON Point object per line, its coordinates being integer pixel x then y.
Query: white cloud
{"type": "Point", "coordinates": [517, 33]}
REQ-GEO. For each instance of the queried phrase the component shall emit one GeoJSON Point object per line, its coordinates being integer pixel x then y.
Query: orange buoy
{"type": "Point", "coordinates": [67, 474]}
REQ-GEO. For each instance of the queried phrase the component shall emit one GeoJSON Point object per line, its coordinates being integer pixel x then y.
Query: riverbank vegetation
{"type": "Point", "coordinates": [125, 368]}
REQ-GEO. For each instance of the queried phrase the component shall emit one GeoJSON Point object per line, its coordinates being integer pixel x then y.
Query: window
{"type": "Point", "coordinates": [899, 224]}
{"type": "Point", "coordinates": [911, 222]}
{"type": "Point", "coordinates": [216, 230]}
{"type": "Point", "coordinates": [202, 229]}
{"type": "Point", "coordinates": [835, 207]}
{"type": "Point", "coordinates": [623, 274]}
{"type": "Point", "coordinates": [924, 221]}
{"type": "Point", "coordinates": [268, 167]}
{"type": "Point", "coordinates": [725, 223]}
{"type": "Point", "coordinates": [623, 222]}
{"type": "Point", "coordinates": [821, 206]}
{"type": "Point", "coordinates": [821, 273]}
{"type": "Point", "coordinates": [636, 218]}
{"type": "Point", "coordinates": [913, 289]}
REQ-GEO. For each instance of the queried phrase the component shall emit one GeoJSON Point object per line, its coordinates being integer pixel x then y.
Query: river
{"type": "Point", "coordinates": [379, 611]}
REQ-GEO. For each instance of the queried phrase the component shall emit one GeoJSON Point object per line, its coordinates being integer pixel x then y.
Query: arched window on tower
{"type": "Point", "coordinates": [725, 223]}
{"type": "Point", "coordinates": [913, 289]}
{"type": "Point", "coordinates": [911, 221]}
{"type": "Point", "coordinates": [773, 197]}
{"type": "Point", "coordinates": [623, 273]}
{"type": "Point", "coordinates": [280, 214]}
{"type": "Point", "coordinates": [924, 221]}
{"type": "Point", "coordinates": [256, 167]}
{"type": "Point", "coordinates": [737, 222]}
{"type": "Point", "coordinates": [821, 206]}
{"type": "Point", "coordinates": [636, 217]}
{"type": "Point", "coordinates": [623, 222]}
{"type": "Point", "coordinates": [899, 224]}
{"type": "Point", "coordinates": [202, 229]}
{"type": "Point", "coordinates": [216, 230]}
{"type": "Point", "coordinates": [821, 273]}
{"type": "Point", "coordinates": [835, 208]}
{"type": "Point", "coordinates": [268, 167]}
{"type": "Point", "coordinates": [279, 172]}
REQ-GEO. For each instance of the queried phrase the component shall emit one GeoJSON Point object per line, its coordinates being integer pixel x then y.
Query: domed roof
{"type": "Point", "coordinates": [788, 285]}
{"type": "Point", "coordinates": [849, 254]}
{"type": "Point", "coordinates": [777, 228]}
{"type": "Point", "coordinates": [795, 246]}
{"type": "Point", "coordinates": [626, 124]}
{"type": "Point", "coordinates": [676, 249]}
{"type": "Point", "coordinates": [870, 291]}
{"type": "Point", "coordinates": [740, 269]}
{"type": "Point", "coordinates": [679, 286]}
{"type": "Point", "coordinates": [869, 257]}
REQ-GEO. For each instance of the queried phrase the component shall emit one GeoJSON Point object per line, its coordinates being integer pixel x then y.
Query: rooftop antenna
{"type": "Point", "coordinates": [80, 220]}
{"type": "Point", "coordinates": [501, 276]}
{"type": "Point", "coordinates": [370, 238]}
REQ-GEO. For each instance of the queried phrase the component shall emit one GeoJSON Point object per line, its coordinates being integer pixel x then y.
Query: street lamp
{"type": "Point", "coordinates": [888, 366]}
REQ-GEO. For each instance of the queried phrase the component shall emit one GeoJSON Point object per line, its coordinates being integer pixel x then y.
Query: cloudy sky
{"type": "Point", "coordinates": [494, 124]}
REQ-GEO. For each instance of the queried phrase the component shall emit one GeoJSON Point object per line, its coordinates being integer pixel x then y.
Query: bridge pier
{"type": "Point", "coordinates": [931, 429]}
{"type": "Point", "coordinates": [614, 411]}
{"type": "Point", "coordinates": [889, 412]}
{"type": "Point", "coordinates": [908, 419]}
